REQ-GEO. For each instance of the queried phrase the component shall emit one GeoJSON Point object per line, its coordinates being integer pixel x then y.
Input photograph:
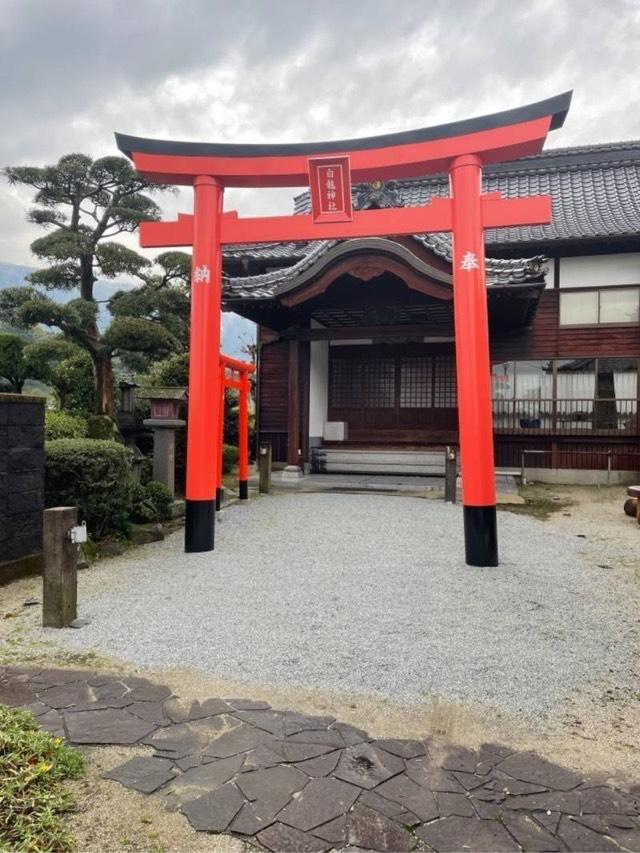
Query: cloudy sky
{"type": "Point", "coordinates": [74, 71]}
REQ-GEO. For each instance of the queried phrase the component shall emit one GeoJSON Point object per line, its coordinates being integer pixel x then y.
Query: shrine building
{"type": "Point", "coordinates": [356, 363]}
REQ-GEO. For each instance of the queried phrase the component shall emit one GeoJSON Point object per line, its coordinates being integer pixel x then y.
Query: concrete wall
{"type": "Point", "coordinates": [599, 270]}
{"type": "Point", "coordinates": [21, 484]}
{"type": "Point", "coordinates": [580, 477]}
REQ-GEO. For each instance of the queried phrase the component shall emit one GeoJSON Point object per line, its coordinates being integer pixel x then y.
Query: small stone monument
{"type": "Point", "coordinates": [165, 420]}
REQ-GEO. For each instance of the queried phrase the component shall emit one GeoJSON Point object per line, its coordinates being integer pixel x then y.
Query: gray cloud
{"type": "Point", "coordinates": [76, 70]}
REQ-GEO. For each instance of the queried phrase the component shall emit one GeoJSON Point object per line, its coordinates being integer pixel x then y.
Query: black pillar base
{"type": "Point", "coordinates": [219, 498]}
{"type": "Point", "coordinates": [480, 536]}
{"type": "Point", "coordinates": [243, 490]}
{"type": "Point", "coordinates": [199, 528]}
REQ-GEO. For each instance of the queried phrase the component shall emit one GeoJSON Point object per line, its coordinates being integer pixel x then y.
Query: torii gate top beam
{"type": "Point", "coordinates": [502, 136]}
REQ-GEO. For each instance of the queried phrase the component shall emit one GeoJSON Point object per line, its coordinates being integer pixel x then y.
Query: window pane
{"type": "Point", "coordinates": [503, 380]}
{"type": "Point", "coordinates": [415, 382]}
{"type": "Point", "coordinates": [617, 390]}
{"type": "Point", "coordinates": [503, 389]}
{"type": "Point", "coordinates": [534, 394]}
{"type": "Point", "coordinates": [346, 383]}
{"type": "Point", "coordinates": [444, 382]}
{"type": "Point", "coordinates": [379, 383]}
{"type": "Point", "coordinates": [534, 380]}
{"type": "Point", "coordinates": [619, 306]}
{"type": "Point", "coordinates": [576, 387]}
{"type": "Point", "coordinates": [578, 308]}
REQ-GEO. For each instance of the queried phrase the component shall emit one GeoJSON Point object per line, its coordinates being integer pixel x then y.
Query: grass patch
{"type": "Point", "coordinates": [539, 501]}
{"type": "Point", "coordinates": [33, 797]}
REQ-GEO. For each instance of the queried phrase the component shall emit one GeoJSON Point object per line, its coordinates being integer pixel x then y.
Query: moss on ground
{"type": "Point", "coordinates": [540, 501]}
{"type": "Point", "coordinates": [33, 797]}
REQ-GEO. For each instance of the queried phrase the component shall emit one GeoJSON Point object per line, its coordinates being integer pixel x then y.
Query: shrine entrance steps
{"type": "Point", "coordinates": [429, 462]}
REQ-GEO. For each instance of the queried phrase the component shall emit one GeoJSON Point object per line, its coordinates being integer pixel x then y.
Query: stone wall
{"type": "Point", "coordinates": [21, 484]}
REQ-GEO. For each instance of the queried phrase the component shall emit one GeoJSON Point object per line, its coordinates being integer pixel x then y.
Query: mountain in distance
{"type": "Point", "coordinates": [237, 331]}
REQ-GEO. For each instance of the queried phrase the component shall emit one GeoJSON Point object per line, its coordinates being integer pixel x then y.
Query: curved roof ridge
{"type": "Point", "coordinates": [264, 285]}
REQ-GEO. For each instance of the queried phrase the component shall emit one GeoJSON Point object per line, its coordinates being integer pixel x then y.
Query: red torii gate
{"type": "Point", "coordinates": [241, 385]}
{"type": "Point", "coordinates": [459, 148]}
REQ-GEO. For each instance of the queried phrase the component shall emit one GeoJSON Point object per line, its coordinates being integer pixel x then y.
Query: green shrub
{"type": "Point", "coordinates": [150, 502]}
{"type": "Point", "coordinates": [93, 475]}
{"type": "Point", "coordinates": [142, 509]}
{"type": "Point", "coordinates": [172, 371]}
{"type": "Point", "coordinates": [229, 457]}
{"type": "Point", "coordinates": [59, 424]}
{"type": "Point", "coordinates": [161, 498]}
{"type": "Point", "coordinates": [103, 427]}
{"type": "Point", "coordinates": [33, 767]}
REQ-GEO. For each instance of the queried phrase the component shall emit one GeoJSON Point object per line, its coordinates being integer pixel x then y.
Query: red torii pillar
{"type": "Point", "coordinates": [461, 148]}
{"type": "Point", "coordinates": [243, 387]}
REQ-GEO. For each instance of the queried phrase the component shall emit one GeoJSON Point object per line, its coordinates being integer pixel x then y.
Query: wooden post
{"type": "Point", "coordinates": [293, 423]}
{"type": "Point", "coordinates": [243, 438]}
{"type": "Point", "coordinates": [60, 580]}
{"type": "Point", "coordinates": [264, 467]}
{"type": "Point", "coordinates": [219, 442]}
{"type": "Point", "coordinates": [450, 475]}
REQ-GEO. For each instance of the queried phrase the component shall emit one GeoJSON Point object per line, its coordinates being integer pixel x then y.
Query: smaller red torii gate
{"type": "Point", "coordinates": [242, 385]}
{"type": "Point", "coordinates": [460, 149]}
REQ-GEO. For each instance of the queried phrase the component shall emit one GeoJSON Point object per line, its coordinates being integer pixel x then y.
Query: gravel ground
{"type": "Point", "coordinates": [370, 594]}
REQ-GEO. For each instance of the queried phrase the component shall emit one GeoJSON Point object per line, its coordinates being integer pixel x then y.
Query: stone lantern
{"type": "Point", "coordinates": [164, 420]}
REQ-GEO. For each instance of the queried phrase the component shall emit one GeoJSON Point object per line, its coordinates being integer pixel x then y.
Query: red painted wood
{"type": "Point", "coordinates": [330, 189]}
{"type": "Point", "coordinates": [396, 161]}
{"type": "Point", "coordinates": [219, 444]}
{"type": "Point", "coordinates": [472, 335]}
{"type": "Point", "coordinates": [204, 345]}
{"type": "Point", "coordinates": [497, 212]}
{"type": "Point", "coordinates": [243, 429]}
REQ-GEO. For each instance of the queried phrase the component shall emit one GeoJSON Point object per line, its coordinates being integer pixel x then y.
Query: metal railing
{"type": "Point", "coordinates": [609, 460]}
{"type": "Point", "coordinates": [576, 417]}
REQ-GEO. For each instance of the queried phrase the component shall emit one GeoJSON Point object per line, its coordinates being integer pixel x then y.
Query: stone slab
{"type": "Point", "coordinates": [411, 797]}
{"type": "Point", "coordinates": [601, 800]}
{"type": "Point", "coordinates": [106, 726]}
{"type": "Point", "coordinates": [452, 834]}
{"type": "Point", "coordinates": [201, 780]}
{"type": "Point", "coordinates": [281, 838]}
{"type": "Point", "coordinates": [321, 766]}
{"type": "Point", "coordinates": [371, 830]}
{"type": "Point", "coordinates": [403, 748]}
{"type": "Point", "coordinates": [366, 765]}
{"type": "Point", "coordinates": [321, 800]}
{"type": "Point", "coordinates": [454, 804]}
{"type": "Point", "coordinates": [531, 836]}
{"type": "Point", "coordinates": [214, 812]}
{"type": "Point", "coordinates": [577, 836]}
{"type": "Point", "coordinates": [426, 772]}
{"type": "Point", "coordinates": [529, 767]}
{"type": "Point", "coordinates": [144, 774]}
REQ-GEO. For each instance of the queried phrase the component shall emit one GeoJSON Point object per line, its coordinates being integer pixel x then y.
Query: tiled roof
{"type": "Point", "coordinates": [265, 285]}
{"type": "Point", "coordinates": [595, 192]}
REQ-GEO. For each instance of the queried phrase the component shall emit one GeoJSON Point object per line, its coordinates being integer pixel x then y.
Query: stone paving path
{"type": "Point", "coordinates": [287, 781]}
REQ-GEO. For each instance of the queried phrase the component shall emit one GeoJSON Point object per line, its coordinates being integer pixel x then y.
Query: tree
{"type": "Point", "coordinates": [162, 301]}
{"type": "Point", "coordinates": [85, 203]}
{"type": "Point", "coordinates": [67, 368]}
{"type": "Point", "coordinates": [14, 366]}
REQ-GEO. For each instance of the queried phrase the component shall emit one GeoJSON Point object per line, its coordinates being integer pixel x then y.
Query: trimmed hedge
{"type": "Point", "coordinates": [58, 424]}
{"type": "Point", "coordinates": [93, 475]}
{"type": "Point", "coordinates": [151, 502]}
